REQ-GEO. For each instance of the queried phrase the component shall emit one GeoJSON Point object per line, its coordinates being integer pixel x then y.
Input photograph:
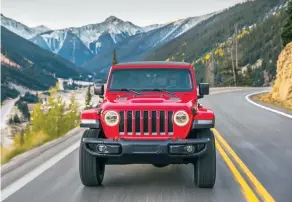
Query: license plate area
{"type": "Point", "coordinates": [146, 149]}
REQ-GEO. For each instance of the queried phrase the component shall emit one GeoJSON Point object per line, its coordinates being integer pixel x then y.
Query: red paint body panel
{"type": "Point", "coordinates": [204, 114]}
{"type": "Point", "coordinates": [90, 114]}
{"type": "Point", "coordinates": [150, 101]}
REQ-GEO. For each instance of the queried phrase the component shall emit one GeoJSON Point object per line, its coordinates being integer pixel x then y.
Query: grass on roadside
{"type": "Point", "coordinates": [24, 144]}
{"type": "Point", "coordinates": [267, 98]}
{"type": "Point", "coordinates": [48, 121]}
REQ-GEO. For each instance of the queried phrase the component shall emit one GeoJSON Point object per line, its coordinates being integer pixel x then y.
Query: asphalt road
{"type": "Point", "coordinates": [5, 111]}
{"type": "Point", "coordinates": [261, 139]}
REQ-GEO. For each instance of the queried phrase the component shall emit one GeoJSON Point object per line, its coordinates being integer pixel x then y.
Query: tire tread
{"type": "Point", "coordinates": [205, 166]}
{"type": "Point", "coordinates": [88, 164]}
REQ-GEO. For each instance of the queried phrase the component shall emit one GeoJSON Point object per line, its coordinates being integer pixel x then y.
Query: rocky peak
{"type": "Point", "coordinates": [112, 19]}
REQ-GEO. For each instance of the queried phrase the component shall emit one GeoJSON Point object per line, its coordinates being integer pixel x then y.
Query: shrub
{"type": "Point", "coordinates": [22, 106]}
{"type": "Point", "coordinates": [16, 119]}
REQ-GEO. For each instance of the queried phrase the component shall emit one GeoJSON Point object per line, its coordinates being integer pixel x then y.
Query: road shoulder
{"type": "Point", "coordinates": [24, 163]}
{"type": "Point", "coordinates": [270, 107]}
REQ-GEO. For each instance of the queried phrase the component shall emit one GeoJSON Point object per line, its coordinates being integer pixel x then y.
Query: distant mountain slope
{"type": "Point", "coordinates": [21, 29]}
{"type": "Point", "coordinates": [259, 43]}
{"type": "Point", "coordinates": [111, 29]}
{"type": "Point", "coordinates": [134, 47]}
{"type": "Point", "coordinates": [65, 44]}
{"type": "Point", "coordinates": [217, 29]}
{"type": "Point", "coordinates": [41, 29]}
{"type": "Point", "coordinates": [80, 44]}
{"type": "Point", "coordinates": [31, 66]}
{"type": "Point", "coordinates": [17, 27]}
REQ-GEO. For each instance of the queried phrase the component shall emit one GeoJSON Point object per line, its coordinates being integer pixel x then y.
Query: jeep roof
{"type": "Point", "coordinates": [147, 63]}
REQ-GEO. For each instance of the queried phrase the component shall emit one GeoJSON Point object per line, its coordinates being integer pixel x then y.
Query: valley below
{"type": "Point", "coordinates": [9, 109]}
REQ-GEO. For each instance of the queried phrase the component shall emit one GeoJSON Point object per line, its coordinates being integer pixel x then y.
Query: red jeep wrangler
{"type": "Point", "coordinates": [150, 115]}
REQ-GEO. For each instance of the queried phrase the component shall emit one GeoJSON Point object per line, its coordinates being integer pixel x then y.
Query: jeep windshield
{"type": "Point", "coordinates": [151, 79]}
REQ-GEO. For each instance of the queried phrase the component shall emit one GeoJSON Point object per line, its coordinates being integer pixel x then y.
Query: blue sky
{"type": "Point", "coordinates": [67, 13]}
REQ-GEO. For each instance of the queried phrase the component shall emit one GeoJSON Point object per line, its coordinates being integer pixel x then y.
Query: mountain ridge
{"type": "Point", "coordinates": [26, 64]}
{"type": "Point", "coordinates": [138, 45]}
{"type": "Point", "coordinates": [98, 38]}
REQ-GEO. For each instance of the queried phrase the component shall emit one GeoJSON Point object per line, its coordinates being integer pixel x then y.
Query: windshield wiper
{"type": "Point", "coordinates": [129, 90]}
{"type": "Point", "coordinates": [159, 90]}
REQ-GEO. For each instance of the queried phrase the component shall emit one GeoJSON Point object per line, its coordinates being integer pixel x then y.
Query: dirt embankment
{"type": "Point", "coordinates": [281, 93]}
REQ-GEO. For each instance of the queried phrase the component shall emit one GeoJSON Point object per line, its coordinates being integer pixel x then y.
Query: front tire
{"type": "Point", "coordinates": [91, 169]}
{"type": "Point", "coordinates": [205, 165]}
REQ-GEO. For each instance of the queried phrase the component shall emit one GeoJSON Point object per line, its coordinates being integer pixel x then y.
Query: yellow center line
{"type": "Point", "coordinates": [247, 192]}
{"type": "Point", "coordinates": [259, 187]}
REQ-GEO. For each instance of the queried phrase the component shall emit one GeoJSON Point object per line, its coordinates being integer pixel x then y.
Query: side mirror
{"type": "Point", "coordinates": [203, 89]}
{"type": "Point", "coordinates": [98, 89]}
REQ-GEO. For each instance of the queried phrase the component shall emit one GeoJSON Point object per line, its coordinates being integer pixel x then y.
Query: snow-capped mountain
{"type": "Point", "coordinates": [136, 46]}
{"type": "Point", "coordinates": [152, 27]}
{"type": "Point", "coordinates": [81, 44]}
{"type": "Point", "coordinates": [112, 30]}
{"type": "Point", "coordinates": [21, 29]}
{"type": "Point", "coordinates": [41, 29]}
{"type": "Point", "coordinates": [17, 27]}
{"type": "Point", "coordinates": [65, 44]}
{"type": "Point", "coordinates": [88, 40]}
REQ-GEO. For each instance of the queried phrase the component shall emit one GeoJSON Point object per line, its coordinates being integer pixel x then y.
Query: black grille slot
{"type": "Point", "coordinates": [162, 122]}
{"type": "Point", "coordinates": [145, 121]}
{"type": "Point", "coordinates": [121, 125]}
{"type": "Point", "coordinates": [129, 121]}
{"type": "Point", "coordinates": [170, 125]}
{"type": "Point", "coordinates": [154, 128]}
{"type": "Point", "coordinates": [137, 122]}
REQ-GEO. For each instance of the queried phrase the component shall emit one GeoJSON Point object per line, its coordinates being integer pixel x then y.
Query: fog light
{"type": "Point", "coordinates": [101, 148]}
{"type": "Point", "coordinates": [190, 148]}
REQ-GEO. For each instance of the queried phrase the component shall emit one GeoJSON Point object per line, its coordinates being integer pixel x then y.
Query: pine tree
{"type": "Point", "coordinates": [115, 60]}
{"type": "Point", "coordinates": [287, 29]}
{"type": "Point", "coordinates": [10, 121]}
{"type": "Point", "coordinates": [37, 96]}
{"type": "Point", "coordinates": [88, 97]}
{"type": "Point", "coordinates": [249, 76]}
{"type": "Point", "coordinates": [16, 119]}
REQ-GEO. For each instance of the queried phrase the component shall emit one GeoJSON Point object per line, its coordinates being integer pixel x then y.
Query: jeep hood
{"type": "Point", "coordinates": [151, 102]}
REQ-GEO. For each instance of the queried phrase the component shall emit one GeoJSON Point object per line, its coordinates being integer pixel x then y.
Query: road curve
{"type": "Point", "coordinates": [262, 140]}
{"type": "Point", "coordinates": [5, 111]}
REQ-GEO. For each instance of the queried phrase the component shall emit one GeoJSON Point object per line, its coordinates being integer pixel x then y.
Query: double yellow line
{"type": "Point", "coordinates": [228, 154]}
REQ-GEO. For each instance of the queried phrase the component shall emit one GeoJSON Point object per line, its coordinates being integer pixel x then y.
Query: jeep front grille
{"type": "Point", "coordinates": [146, 123]}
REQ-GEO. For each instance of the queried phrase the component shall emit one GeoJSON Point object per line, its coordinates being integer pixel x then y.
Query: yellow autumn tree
{"type": "Point", "coordinates": [55, 117]}
{"type": "Point", "coordinates": [38, 118]}
{"type": "Point", "coordinates": [242, 34]}
{"type": "Point", "coordinates": [219, 52]}
{"type": "Point", "coordinates": [207, 57]}
{"type": "Point", "coordinates": [72, 117]}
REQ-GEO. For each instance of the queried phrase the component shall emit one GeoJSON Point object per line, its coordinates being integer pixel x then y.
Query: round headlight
{"type": "Point", "coordinates": [111, 118]}
{"type": "Point", "coordinates": [181, 118]}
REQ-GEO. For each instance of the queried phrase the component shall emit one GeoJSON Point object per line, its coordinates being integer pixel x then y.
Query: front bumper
{"type": "Point", "coordinates": [155, 151]}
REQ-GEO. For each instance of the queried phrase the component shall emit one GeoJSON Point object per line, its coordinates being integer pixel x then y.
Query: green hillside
{"type": "Point", "coordinates": [214, 35]}
{"type": "Point", "coordinates": [258, 50]}
{"type": "Point", "coordinates": [36, 69]}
